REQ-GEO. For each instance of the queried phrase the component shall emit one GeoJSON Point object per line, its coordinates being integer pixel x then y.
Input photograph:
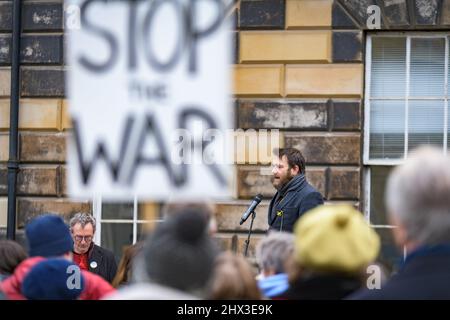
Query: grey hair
{"type": "Point", "coordinates": [83, 219]}
{"type": "Point", "coordinates": [418, 196]}
{"type": "Point", "coordinates": [273, 251]}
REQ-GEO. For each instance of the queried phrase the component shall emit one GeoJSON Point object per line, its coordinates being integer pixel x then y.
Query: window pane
{"type": "Point", "coordinates": [143, 229]}
{"type": "Point", "coordinates": [389, 256]}
{"type": "Point", "coordinates": [378, 177]}
{"type": "Point", "coordinates": [426, 123]}
{"type": "Point", "coordinates": [115, 236]}
{"type": "Point", "coordinates": [427, 67]}
{"type": "Point", "coordinates": [387, 129]}
{"type": "Point", "coordinates": [117, 211]}
{"type": "Point", "coordinates": [448, 126]}
{"type": "Point", "coordinates": [388, 76]}
{"type": "Point", "coordinates": [148, 211]}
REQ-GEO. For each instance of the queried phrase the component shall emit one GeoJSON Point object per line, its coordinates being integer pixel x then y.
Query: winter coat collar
{"type": "Point", "coordinates": [427, 250]}
{"type": "Point", "coordinates": [323, 287]}
{"type": "Point", "coordinates": [296, 183]}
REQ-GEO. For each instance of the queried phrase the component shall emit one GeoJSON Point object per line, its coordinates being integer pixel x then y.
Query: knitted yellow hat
{"type": "Point", "coordinates": [335, 238]}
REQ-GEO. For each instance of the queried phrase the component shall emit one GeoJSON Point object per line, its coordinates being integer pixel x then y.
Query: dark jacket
{"type": "Point", "coordinates": [323, 287]}
{"type": "Point", "coordinates": [424, 275]}
{"type": "Point", "coordinates": [293, 200]}
{"type": "Point", "coordinates": [103, 263]}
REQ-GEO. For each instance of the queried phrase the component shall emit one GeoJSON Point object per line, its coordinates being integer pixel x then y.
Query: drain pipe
{"type": "Point", "coordinates": [13, 162]}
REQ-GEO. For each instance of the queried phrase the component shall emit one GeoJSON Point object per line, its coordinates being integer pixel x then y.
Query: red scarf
{"type": "Point", "coordinates": [82, 260]}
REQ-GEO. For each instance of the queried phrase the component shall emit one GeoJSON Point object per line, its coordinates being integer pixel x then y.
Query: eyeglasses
{"type": "Point", "coordinates": [86, 238]}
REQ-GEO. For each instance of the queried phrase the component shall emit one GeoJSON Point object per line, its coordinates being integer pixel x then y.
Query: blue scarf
{"type": "Point", "coordinates": [273, 285]}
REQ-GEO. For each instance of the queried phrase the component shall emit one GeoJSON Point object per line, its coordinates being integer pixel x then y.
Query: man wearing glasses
{"type": "Point", "coordinates": [86, 254]}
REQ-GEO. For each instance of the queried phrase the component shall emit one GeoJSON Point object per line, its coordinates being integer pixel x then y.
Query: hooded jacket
{"type": "Point", "coordinates": [95, 287]}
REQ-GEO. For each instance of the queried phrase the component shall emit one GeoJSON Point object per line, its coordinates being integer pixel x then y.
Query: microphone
{"type": "Point", "coordinates": [251, 208]}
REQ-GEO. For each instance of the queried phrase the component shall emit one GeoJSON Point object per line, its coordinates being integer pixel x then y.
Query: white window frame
{"type": "Point", "coordinates": [407, 97]}
{"type": "Point", "coordinates": [367, 163]}
{"type": "Point", "coordinates": [97, 212]}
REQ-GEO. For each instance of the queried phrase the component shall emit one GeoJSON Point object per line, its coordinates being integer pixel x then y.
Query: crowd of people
{"type": "Point", "coordinates": [324, 253]}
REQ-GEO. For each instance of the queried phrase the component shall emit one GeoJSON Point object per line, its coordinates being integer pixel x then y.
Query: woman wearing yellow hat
{"type": "Point", "coordinates": [333, 247]}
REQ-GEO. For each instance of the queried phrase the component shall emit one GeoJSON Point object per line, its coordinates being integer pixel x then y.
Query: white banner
{"type": "Point", "coordinates": [149, 95]}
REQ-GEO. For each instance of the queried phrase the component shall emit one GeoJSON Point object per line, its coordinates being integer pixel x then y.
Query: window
{"type": "Point", "coordinates": [123, 224]}
{"type": "Point", "coordinates": [406, 105]}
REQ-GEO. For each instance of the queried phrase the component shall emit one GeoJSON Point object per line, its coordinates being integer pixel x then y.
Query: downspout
{"type": "Point", "coordinates": [13, 162]}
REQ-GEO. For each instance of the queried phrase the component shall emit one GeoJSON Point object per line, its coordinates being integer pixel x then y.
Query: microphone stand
{"type": "Point", "coordinates": [247, 242]}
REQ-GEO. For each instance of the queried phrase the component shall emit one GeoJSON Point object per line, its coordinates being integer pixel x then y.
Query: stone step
{"type": "Point", "coordinates": [235, 242]}
{"type": "Point", "coordinates": [228, 216]}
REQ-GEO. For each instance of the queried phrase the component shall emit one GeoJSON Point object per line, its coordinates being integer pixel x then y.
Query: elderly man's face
{"type": "Point", "coordinates": [82, 237]}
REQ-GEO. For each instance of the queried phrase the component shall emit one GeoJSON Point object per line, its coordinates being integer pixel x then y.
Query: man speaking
{"type": "Point", "coordinates": [294, 194]}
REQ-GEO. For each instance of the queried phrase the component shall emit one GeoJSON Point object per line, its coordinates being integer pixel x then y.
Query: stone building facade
{"type": "Point", "coordinates": [300, 67]}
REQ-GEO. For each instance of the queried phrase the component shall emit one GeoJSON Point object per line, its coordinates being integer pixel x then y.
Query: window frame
{"type": "Point", "coordinates": [369, 163]}
{"type": "Point", "coordinates": [407, 97]}
{"type": "Point", "coordinates": [97, 213]}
